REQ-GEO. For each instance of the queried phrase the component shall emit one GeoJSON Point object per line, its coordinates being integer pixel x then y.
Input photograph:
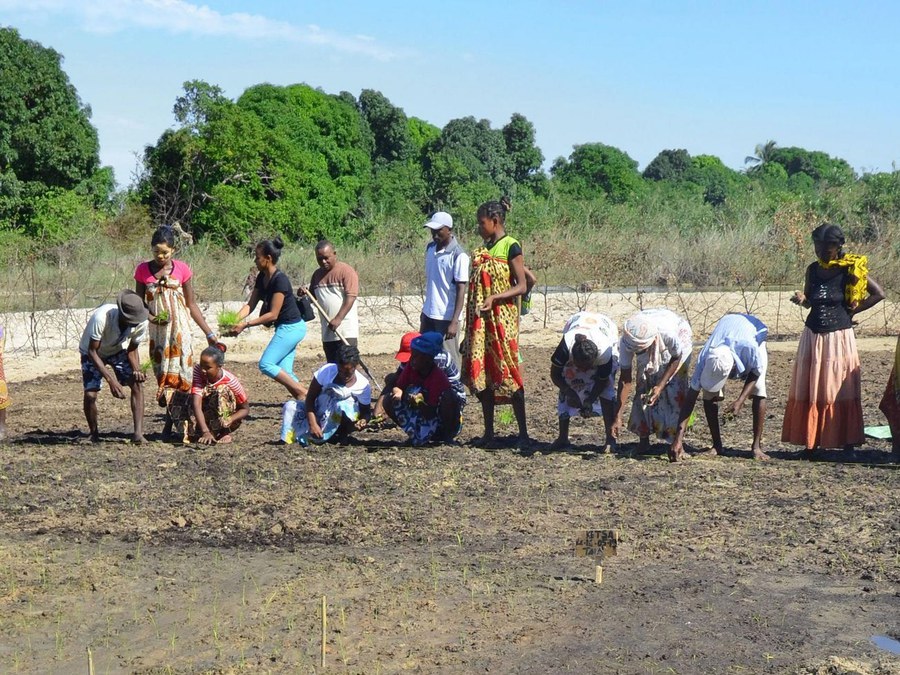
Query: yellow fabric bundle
{"type": "Point", "coordinates": [858, 268]}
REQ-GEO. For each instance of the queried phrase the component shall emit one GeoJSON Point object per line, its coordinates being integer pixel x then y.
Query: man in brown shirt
{"type": "Point", "coordinates": [335, 285]}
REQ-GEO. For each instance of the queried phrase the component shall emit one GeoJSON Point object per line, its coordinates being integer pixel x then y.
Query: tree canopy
{"type": "Point", "coordinates": [308, 164]}
{"type": "Point", "coordinates": [47, 143]}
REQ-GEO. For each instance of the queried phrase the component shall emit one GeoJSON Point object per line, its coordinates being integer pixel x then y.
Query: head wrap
{"type": "Point", "coordinates": [595, 327]}
{"type": "Point", "coordinates": [716, 368]}
{"type": "Point", "coordinates": [641, 334]}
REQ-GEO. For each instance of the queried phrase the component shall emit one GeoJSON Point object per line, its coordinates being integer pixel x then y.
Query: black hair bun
{"type": "Point", "coordinates": [277, 243]}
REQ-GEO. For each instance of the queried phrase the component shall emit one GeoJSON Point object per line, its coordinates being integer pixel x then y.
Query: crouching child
{"type": "Point", "coordinates": [109, 351]}
{"type": "Point", "coordinates": [422, 401]}
{"type": "Point", "coordinates": [219, 401]}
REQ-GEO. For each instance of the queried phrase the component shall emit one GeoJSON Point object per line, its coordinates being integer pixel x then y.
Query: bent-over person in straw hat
{"type": "Point", "coordinates": [735, 350]}
{"type": "Point", "coordinates": [109, 351]}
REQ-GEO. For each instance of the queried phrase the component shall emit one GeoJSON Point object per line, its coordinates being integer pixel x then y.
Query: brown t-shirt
{"type": "Point", "coordinates": [330, 289]}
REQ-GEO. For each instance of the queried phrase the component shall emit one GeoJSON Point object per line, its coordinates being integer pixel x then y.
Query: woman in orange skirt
{"type": "Point", "coordinates": [824, 408]}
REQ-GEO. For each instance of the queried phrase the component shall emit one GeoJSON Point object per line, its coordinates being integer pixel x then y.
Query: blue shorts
{"type": "Point", "coordinates": [93, 380]}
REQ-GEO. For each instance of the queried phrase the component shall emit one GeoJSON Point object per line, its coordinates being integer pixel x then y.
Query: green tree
{"type": "Point", "coordinates": [761, 156]}
{"type": "Point", "coordinates": [389, 127]}
{"type": "Point", "coordinates": [526, 156]}
{"type": "Point", "coordinates": [422, 134]}
{"type": "Point", "coordinates": [819, 166]}
{"type": "Point", "coordinates": [717, 181]}
{"type": "Point", "coordinates": [46, 139]}
{"type": "Point", "coordinates": [595, 169]}
{"type": "Point", "coordinates": [291, 159]}
{"type": "Point", "coordinates": [671, 165]}
{"type": "Point", "coordinates": [467, 152]}
{"type": "Point", "coordinates": [198, 105]}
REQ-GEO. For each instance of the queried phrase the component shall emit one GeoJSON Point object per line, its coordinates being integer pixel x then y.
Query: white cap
{"type": "Point", "coordinates": [716, 369]}
{"type": "Point", "coordinates": [439, 220]}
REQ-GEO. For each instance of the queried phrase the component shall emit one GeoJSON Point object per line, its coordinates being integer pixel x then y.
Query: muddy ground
{"type": "Point", "coordinates": [165, 558]}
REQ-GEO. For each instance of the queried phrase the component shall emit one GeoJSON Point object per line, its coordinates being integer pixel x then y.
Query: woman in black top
{"type": "Point", "coordinates": [279, 308]}
{"type": "Point", "coordinates": [824, 406]}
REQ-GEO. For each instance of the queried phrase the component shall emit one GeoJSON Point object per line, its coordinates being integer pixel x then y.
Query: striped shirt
{"type": "Point", "coordinates": [743, 334]}
{"type": "Point", "coordinates": [228, 379]}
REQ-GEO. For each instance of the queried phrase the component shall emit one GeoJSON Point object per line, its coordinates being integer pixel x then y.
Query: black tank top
{"type": "Point", "coordinates": [828, 311]}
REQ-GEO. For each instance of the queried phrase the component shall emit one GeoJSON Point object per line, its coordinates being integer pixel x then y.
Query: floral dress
{"type": "Point", "coordinates": [491, 348]}
{"type": "Point", "coordinates": [171, 351]}
{"type": "Point", "coordinates": [668, 336]}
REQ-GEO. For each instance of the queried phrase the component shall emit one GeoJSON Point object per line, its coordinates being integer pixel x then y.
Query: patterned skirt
{"type": "Point", "coordinates": [660, 419]}
{"type": "Point", "coordinates": [218, 405]}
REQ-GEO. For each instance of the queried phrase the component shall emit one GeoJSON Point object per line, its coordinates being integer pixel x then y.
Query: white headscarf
{"type": "Point", "coordinates": [641, 334]}
{"type": "Point", "coordinates": [597, 328]}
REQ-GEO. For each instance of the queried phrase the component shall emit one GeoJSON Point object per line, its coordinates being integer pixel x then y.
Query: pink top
{"type": "Point", "coordinates": [181, 272]}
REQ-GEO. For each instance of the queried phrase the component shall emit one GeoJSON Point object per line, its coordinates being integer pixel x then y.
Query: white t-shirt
{"type": "Point", "coordinates": [361, 390]}
{"type": "Point", "coordinates": [443, 270]}
{"type": "Point", "coordinates": [104, 326]}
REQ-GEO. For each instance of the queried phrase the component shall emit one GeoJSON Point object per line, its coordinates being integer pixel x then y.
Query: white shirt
{"type": "Point", "coordinates": [443, 271]}
{"type": "Point", "coordinates": [361, 390]}
{"type": "Point", "coordinates": [743, 337]}
{"type": "Point", "coordinates": [104, 326]}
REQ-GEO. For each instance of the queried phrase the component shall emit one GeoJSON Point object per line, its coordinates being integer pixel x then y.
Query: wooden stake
{"type": "Point", "coordinates": [90, 662]}
{"type": "Point", "coordinates": [598, 579]}
{"type": "Point", "coordinates": [324, 625]}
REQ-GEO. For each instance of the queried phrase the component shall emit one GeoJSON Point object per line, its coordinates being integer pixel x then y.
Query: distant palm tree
{"type": "Point", "coordinates": [762, 157]}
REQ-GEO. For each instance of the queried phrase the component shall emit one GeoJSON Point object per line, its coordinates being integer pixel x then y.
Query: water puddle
{"type": "Point", "coordinates": [886, 643]}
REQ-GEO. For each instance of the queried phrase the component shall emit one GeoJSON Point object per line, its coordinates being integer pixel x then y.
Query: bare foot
{"type": "Point", "coordinates": [137, 439]}
{"type": "Point", "coordinates": [523, 443]}
{"type": "Point", "coordinates": [95, 437]}
{"type": "Point", "coordinates": [227, 438]}
{"type": "Point", "coordinates": [760, 455]}
{"type": "Point", "coordinates": [709, 452]}
{"type": "Point", "coordinates": [678, 455]}
{"type": "Point", "coordinates": [609, 448]}
{"type": "Point", "coordinates": [559, 444]}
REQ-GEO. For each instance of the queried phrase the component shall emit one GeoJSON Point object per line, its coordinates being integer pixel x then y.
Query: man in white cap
{"type": "Point", "coordinates": [446, 281]}
{"type": "Point", "coordinates": [736, 349]}
{"type": "Point", "coordinates": [109, 351]}
{"type": "Point", "coordinates": [584, 368]}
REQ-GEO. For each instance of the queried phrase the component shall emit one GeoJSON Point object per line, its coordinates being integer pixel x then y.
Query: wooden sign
{"type": "Point", "coordinates": [596, 544]}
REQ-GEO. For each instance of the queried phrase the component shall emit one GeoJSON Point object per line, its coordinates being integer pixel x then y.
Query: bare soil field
{"type": "Point", "coordinates": [168, 558]}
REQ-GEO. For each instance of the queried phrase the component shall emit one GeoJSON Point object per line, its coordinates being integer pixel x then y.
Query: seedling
{"type": "Point", "coordinates": [146, 366]}
{"type": "Point", "coordinates": [162, 316]}
{"type": "Point", "coordinates": [228, 319]}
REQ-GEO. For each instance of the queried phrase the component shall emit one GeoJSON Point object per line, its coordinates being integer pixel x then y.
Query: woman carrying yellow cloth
{"type": "Point", "coordinates": [824, 408]}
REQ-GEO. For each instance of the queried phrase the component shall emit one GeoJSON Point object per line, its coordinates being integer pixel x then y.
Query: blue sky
{"type": "Point", "coordinates": [712, 77]}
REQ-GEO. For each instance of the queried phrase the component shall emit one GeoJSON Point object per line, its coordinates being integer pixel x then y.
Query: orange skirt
{"type": "Point", "coordinates": [824, 408]}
